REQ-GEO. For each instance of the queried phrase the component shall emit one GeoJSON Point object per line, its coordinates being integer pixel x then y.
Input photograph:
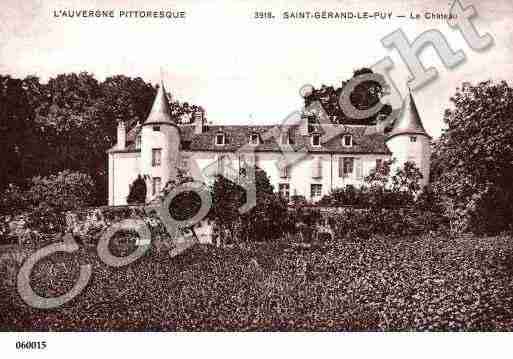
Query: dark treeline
{"type": "Point", "coordinates": [67, 124]}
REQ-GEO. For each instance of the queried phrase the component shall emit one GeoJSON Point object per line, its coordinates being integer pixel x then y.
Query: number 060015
{"type": "Point", "coordinates": [30, 345]}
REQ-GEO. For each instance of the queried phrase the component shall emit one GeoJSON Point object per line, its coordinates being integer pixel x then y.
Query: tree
{"type": "Point", "coordinates": [15, 121]}
{"type": "Point", "coordinates": [227, 197]}
{"type": "Point", "coordinates": [380, 176]}
{"type": "Point", "coordinates": [365, 95]}
{"type": "Point", "coordinates": [125, 98]}
{"type": "Point", "coordinates": [473, 159]}
{"type": "Point", "coordinates": [71, 130]}
{"type": "Point", "coordinates": [264, 221]}
{"type": "Point", "coordinates": [407, 179]}
{"type": "Point", "coordinates": [137, 193]}
{"type": "Point", "coordinates": [68, 124]}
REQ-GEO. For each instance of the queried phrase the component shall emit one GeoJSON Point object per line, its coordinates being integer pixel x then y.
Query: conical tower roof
{"type": "Point", "coordinates": [408, 122]}
{"type": "Point", "coordinates": [160, 112]}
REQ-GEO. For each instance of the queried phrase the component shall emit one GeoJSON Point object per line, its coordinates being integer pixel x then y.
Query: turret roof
{"type": "Point", "coordinates": [160, 112]}
{"type": "Point", "coordinates": [408, 122]}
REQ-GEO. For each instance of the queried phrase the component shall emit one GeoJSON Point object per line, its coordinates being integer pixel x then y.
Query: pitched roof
{"type": "Point", "coordinates": [238, 136]}
{"type": "Point", "coordinates": [160, 112]}
{"type": "Point", "coordinates": [365, 140]}
{"type": "Point", "coordinates": [408, 122]}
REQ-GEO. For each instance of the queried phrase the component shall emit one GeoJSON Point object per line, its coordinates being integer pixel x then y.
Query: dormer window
{"type": "Point", "coordinates": [156, 128]}
{"type": "Point", "coordinates": [254, 139]}
{"type": "Point", "coordinates": [220, 139]}
{"type": "Point", "coordinates": [347, 140]}
{"type": "Point", "coordinates": [316, 140]}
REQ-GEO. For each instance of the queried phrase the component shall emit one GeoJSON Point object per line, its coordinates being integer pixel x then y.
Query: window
{"type": "Point", "coordinates": [184, 163]}
{"type": "Point", "coordinates": [346, 165]}
{"type": "Point", "coordinates": [156, 157]}
{"type": "Point", "coordinates": [284, 190]}
{"type": "Point", "coordinates": [413, 139]}
{"type": "Point", "coordinates": [286, 139]}
{"type": "Point", "coordinates": [316, 140]}
{"type": "Point", "coordinates": [220, 139]}
{"type": "Point", "coordinates": [221, 162]}
{"type": "Point", "coordinates": [156, 185]}
{"type": "Point", "coordinates": [284, 170]}
{"type": "Point", "coordinates": [156, 128]}
{"type": "Point", "coordinates": [317, 167]}
{"type": "Point", "coordinates": [254, 139]}
{"type": "Point", "coordinates": [138, 142]}
{"type": "Point", "coordinates": [315, 190]}
{"type": "Point", "coordinates": [347, 140]}
{"type": "Point", "coordinates": [379, 163]}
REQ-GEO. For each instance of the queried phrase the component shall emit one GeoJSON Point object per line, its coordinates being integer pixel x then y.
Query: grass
{"type": "Point", "coordinates": [427, 283]}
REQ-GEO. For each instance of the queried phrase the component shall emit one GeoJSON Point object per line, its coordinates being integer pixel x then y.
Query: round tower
{"type": "Point", "coordinates": [160, 145]}
{"type": "Point", "coordinates": [409, 141]}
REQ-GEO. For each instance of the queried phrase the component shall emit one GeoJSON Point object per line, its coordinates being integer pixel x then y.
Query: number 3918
{"type": "Point", "coordinates": [263, 15]}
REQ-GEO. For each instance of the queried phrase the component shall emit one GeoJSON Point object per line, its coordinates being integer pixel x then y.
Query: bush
{"type": "Point", "coordinates": [265, 221]}
{"type": "Point", "coordinates": [64, 191]}
{"type": "Point", "coordinates": [376, 196]}
{"type": "Point", "coordinates": [137, 193]}
{"type": "Point", "coordinates": [46, 219]}
{"type": "Point", "coordinates": [365, 224]}
{"type": "Point", "coordinates": [13, 200]}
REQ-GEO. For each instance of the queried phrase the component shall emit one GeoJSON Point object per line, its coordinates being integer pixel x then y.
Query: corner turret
{"type": "Point", "coordinates": [160, 145]}
{"type": "Point", "coordinates": [409, 141]}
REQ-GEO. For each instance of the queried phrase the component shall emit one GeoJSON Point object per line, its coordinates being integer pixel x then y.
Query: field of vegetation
{"type": "Point", "coordinates": [412, 283]}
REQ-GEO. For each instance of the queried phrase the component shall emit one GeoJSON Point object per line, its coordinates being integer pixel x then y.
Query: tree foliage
{"type": "Point", "coordinates": [137, 192]}
{"type": "Point", "coordinates": [367, 94]}
{"type": "Point", "coordinates": [263, 222]}
{"type": "Point", "coordinates": [67, 124]}
{"type": "Point", "coordinates": [473, 159]}
{"type": "Point", "coordinates": [383, 188]}
{"type": "Point", "coordinates": [64, 191]}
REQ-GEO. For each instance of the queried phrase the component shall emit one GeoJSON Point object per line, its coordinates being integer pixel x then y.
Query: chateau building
{"type": "Point", "coordinates": [343, 155]}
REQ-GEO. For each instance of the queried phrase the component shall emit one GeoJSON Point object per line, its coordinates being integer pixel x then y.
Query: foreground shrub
{"type": "Point", "coordinates": [64, 191]}
{"type": "Point", "coordinates": [13, 200]}
{"type": "Point", "coordinates": [427, 283]}
{"type": "Point", "coordinates": [46, 219]}
{"type": "Point", "coordinates": [399, 222]}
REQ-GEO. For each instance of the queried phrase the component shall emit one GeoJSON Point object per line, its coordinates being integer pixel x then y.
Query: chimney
{"type": "Point", "coordinates": [381, 123]}
{"type": "Point", "coordinates": [121, 135]}
{"type": "Point", "coordinates": [198, 122]}
{"type": "Point", "coordinates": [303, 125]}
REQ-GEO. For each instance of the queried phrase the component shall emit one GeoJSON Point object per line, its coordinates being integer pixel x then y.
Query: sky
{"type": "Point", "coordinates": [243, 70]}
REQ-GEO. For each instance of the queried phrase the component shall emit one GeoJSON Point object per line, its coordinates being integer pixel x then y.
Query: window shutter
{"type": "Point", "coordinates": [359, 168]}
